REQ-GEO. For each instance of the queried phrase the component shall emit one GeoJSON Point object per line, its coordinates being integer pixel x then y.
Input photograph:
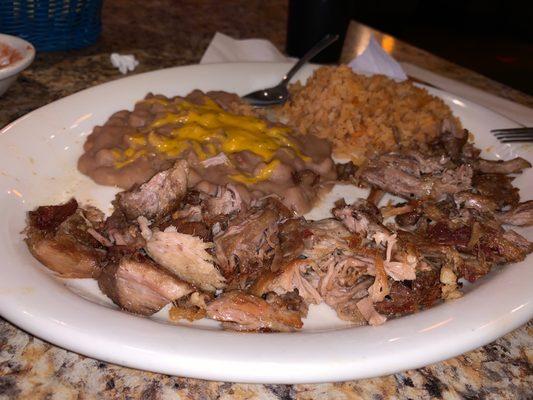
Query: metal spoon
{"type": "Point", "coordinates": [279, 93]}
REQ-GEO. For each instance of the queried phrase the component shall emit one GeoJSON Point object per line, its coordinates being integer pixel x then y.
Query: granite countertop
{"type": "Point", "coordinates": [163, 33]}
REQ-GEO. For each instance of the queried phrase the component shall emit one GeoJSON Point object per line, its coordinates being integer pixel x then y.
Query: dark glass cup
{"type": "Point", "coordinates": [311, 20]}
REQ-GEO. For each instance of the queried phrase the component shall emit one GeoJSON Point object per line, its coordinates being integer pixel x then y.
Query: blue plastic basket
{"type": "Point", "coordinates": [52, 24]}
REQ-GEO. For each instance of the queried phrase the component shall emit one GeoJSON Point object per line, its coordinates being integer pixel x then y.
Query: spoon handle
{"type": "Point", "coordinates": [313, 51]}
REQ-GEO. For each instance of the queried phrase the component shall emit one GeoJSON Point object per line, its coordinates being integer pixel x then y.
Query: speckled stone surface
{"type": "Point", "coordinates": [32, 369]}
{"type": "Point", "coordinates": [163, 33]}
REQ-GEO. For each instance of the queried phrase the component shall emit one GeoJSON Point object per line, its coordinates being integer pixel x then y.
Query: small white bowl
{"type": "Point", "coordinates": [9, 73]}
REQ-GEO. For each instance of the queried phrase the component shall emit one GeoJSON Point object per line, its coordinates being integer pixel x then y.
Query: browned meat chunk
{"type": "Point", "coordinates": [472, 269]}
{"type": "Point", "coordinates": [475, 201]}
{"type": "Point", "coordinates": [304, 247]}
{"type": "Point", "coordinates": [248, 244]}
{"type": "Point", "coordinates": [451, 181]}
{"type": "Point", "coordinates": [184, 256]}
{"type": "Point", "coordinates": [416, 176]}
{"type": "Point", "coordinates": [504, 248]}
{"type": "Point", "coordinates": [346, 172]}
{"type": "Point", "coordinates": [50, 217]}
{"type": "Point", "coordinates": [226, 202]}
{"type": "Point", "coordinates": [442, 234]}
{"type": "Point", "coordinates": [191, 217]}
{"type": "Point", "coordinates": [291, 236]}
{"type": "Point", "coordinates": [123, 232]}
{"type": "Point", "coordinates": [65, 245]}
{"type": "Point", "coordinates": [451, 141]}
{"type": "Point", "coordinates": [518, 241]}
{"type": "Point", "coordinates": [361, 217]}
{"type": "Point", "coordinates": [245, 312]}
{"type": "Point", "coordinates": [497, 187]}
{"type": "Point", "coordinates": [136, 284]}
{"type": "Point", "coordinates": [521, 215]}
{"type": "Point", "coordinates": [365, 307]}
{"type": "Point", "coordinates": [408, 219]}
{"type": "Point", "coordinates": [191, 307]}
{"type": "Point", "coordinates": [411, 296]}
{"type": "Point", "coordinates": [157, 197]}
{"type": "Point", "coordinates": [375, 196]}
{"type": "Point", "coordinates": [514, 166]}
{"type": "Point", "coordinates": [344, 283]}
{"type": "Point", "coordinates": [65, 256]}
{"type": "Point", "coordinates": [298, 274]}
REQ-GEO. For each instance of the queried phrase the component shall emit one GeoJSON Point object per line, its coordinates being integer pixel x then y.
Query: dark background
{"type": "Point", "coordinates": [494, 38]}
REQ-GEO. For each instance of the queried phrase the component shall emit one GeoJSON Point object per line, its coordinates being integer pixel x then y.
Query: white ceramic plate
{"type": "Point", "coordinates": [38, 156]}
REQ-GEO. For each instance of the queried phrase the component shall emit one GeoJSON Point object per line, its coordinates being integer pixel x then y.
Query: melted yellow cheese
{"type": "Point", "coordinates": [208, 130]}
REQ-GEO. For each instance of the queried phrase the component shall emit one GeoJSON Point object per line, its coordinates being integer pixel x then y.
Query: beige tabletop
{"type": "Point", "coordinates": [33, 369]}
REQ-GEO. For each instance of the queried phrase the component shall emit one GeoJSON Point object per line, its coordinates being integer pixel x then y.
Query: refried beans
{"type": "Point", "coordinates": [223, 142]}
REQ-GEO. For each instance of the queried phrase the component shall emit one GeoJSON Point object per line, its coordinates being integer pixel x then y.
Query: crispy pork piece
{"type": "Point", "coordinates": [411, 296]}
{"type": "Point", "coordinates": [413, 175]}
{"type": "Point", "coordinates": [367, 310]}
{"type": "Point", "coordinates": [469, 241]}
{"type": "Point", "coordinates": [416, 163]}
{"type": "Point", "coordinates": [361, 217]}
{"type": "Point", "coordinates": [299, 274]}
{"type": "Point", "coordinates": [451, 181]}
{"type": "Point", "coordinates": [59, 237]}
{"type": "Point", "coordinates": [249, 243]}
{"type": "Point", "coordinates": [325, 236]}
{"type": "Point", "coordinates": [518, 241]}
{"type": "Point", "coordinates": [203, 214]}
{"type": "Point", "coordinates": [190, 217]}
{"type": "Point", "coordinates": [521, 215]}
{"type": "Point", "coordinates": [408, 219]}
{"type": "Point", "coordinates": [451, 141]}
{"type": "Point", "coordinates": [48, 218]}
{"type": "Point", "coordinates": [303, 247]}
{"type": "Point", "coordinates": [191, 307]}
{"type": "Point", "coordinates": [471, 268]}
{"type": "Point", "coordinates": [291, 235]}
{"type": "Point", "coordinates": [375, 196]}
{"type": "Point", "coordinates": [120, 231]}
{"type": "Point", "coordinates": [344, 283]}
{"type": "Point", "coordinates": [138, 285]}
{"type": "Point", "coordinates": [290, 268]}
{"type": "Point", "coordinates": [65, 256]}
{"type": "Point", "coordinates": [478, 202]}
{"type": "Point", "coordinates": [514, 166]}
{"type": "Point", "coordinates": [504, 247]}
{"type": "Point", "coordinates": [157, 197]}
{"type": "Point", "coordinates": [396, 181]}
{"type": "Point", "coordinates": [184, 256]}
{"type": "Point", "coordinates": [346, 172]}
{"type": "Point", "coordinates": [227, 201]}
{"type": "Point", "coordinates": [365, 219]}
{"type": "Point", "coordinates": [497, 187]}
{"type": "Point", "coordinates": [245, 312]}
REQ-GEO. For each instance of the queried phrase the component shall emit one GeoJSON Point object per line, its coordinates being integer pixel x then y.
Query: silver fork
{"type": "Point", "coordinates": [514, 135]}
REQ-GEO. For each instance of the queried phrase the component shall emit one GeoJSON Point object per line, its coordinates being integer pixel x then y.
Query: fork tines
{"type": "Point", "coordinates": [513, 135]}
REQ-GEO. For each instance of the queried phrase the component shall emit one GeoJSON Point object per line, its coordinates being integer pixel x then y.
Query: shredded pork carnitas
{"type": "Point", "coordinates": [257, 266]}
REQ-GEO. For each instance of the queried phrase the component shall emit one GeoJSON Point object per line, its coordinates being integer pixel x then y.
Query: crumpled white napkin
{"type": "Point", "coordinates": [124, 62]}
{"type": "Point", "coordinates": [225, 49]}
{"type": "Point", "coordinates": [373, 60]}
